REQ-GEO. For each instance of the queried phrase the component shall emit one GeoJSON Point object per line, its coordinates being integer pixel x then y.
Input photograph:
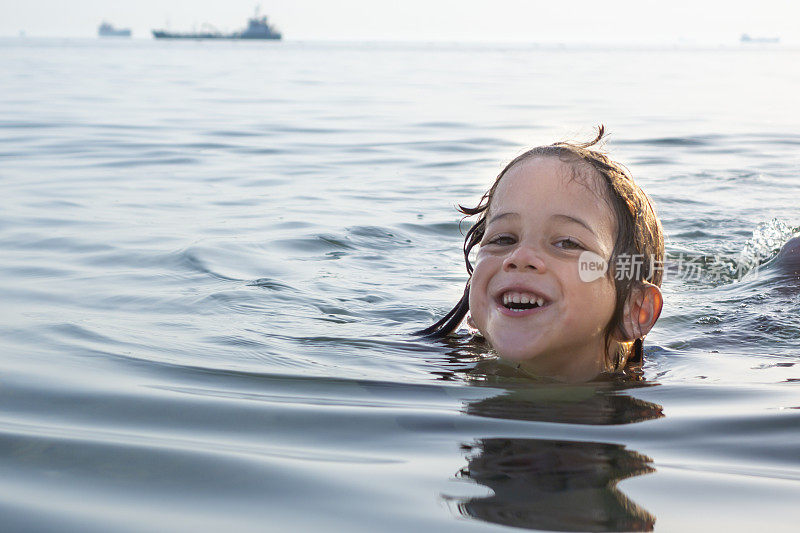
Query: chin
{"type": "Point", "coordinates": [514, 354]}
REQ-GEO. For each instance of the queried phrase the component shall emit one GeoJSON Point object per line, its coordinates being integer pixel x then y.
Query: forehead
{"type": "Point", "coordinates": [544, 186]}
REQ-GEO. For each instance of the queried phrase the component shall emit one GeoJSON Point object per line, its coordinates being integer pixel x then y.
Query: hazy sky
{"type": "Point", "coordinates": [701, 21]}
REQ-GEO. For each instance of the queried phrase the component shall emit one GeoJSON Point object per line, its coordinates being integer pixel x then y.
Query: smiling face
{"type": "Point", "coordinates": [540, 219]}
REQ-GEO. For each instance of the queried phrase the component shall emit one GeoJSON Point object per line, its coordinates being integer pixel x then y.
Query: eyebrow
{"type": "Point", "coordinates": [576, 221]}
{"type": "Point", "coordinates": [568, 218]}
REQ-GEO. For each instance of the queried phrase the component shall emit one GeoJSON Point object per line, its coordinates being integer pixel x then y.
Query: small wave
{"type": "Point", "coordinates": [758, 252]}
{"type": "Point", "coordinates": [19, 124]}
{"type": "Point", "coordinates": [678, 201]}
{"type": "Point", "coordinates": [271, 284]}
{"type": "Point", "coordinates": [671, 141]}
{"type": "Point", "coordinates": [442, 125]}
{"type": "Point", "coordinates": [205, 146]}
{"type": "Point", "coordinates": [193, 262]}
{"type": "Point", "coordinates": [258, 151]}
{"type": "Point", "coordinates": [470, 145]}
{"type": "Point", "coordinates": [234, 133]}
{"type": "Point", "coordinates": [433, 228]}
{"type": "Point", "coordinates": [783, 139]}
{"type": "Point", "coordinates": [306, 130]}
{"type": "Point", "coordinates": [655, 161]}
{"type": "Point", "coordinates": [767, 240]}
{"type": "Point", "coordinates": [229, 261]}
{"type": "Point", "coordinates": [34, 241]}
{"type": "Point", "coordinates": [470, 163]}
{"type": "Point", "coordinates": [315, 243]}
{"type": "Point", "coordinates": [125, 163]}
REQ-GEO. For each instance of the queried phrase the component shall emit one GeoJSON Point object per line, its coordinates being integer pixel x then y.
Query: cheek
{"type": "Point", "coordinates": [595, 298]}
{"type": "Point", "coordinates": [478, 313]}
{"type": "Point", "coordinates": [477, 298]}
{"type": "Point", "coordinates": [481, 272]}
{"type": "Point", "coordinates": [479, 293]}
{"type": "Point", "coordinates": [603, 295]}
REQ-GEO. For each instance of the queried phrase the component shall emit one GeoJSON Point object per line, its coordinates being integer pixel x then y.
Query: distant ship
{"type": "Point", "coordinates": [747, 39]}
{"type": "Point", "coordinates": [257, 28]}
{"type": "Point", "coordinates": [107, 30]}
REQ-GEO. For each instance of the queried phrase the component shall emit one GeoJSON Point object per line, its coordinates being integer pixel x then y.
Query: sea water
{"type": "Point", "coordinates": [213, 255]}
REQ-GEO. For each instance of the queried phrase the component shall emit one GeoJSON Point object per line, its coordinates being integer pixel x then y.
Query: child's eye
{"type": "Point", "coordinates": [501, 240]}
{"type": "Point", "coordinates": [569, 244]}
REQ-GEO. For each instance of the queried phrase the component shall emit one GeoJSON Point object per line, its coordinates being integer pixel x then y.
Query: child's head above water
{"type": "Point", "coordinates": [553, 216]}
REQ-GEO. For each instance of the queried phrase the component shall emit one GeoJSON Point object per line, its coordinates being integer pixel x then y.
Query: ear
{"type": "Point", "coordinates": [471, 323]}
{"type": "Point", "coordinates": [641, 311]}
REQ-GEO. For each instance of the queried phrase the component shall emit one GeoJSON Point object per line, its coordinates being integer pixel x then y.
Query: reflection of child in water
{"type": "Point", "coordinates": [551, 211]}
{"type": "Point", "coordinates": [555, 485]}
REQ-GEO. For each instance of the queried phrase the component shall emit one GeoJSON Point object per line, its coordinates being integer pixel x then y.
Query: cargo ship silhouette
{"type": "Point", "coordinates": [106, 29]}
{"type": "Point", "coordinates": [257, 28]}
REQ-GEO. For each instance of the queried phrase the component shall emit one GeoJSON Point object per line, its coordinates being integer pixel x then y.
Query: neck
{"type": "Point", "coordinates": [567, 369]}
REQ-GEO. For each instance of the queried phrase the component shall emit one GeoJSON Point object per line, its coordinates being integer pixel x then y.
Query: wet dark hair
{"type": "Point", "coordinates": [639, 234]}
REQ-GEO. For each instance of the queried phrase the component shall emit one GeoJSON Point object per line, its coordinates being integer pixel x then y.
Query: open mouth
{"type": "Point", "coordinates": [521, 301]}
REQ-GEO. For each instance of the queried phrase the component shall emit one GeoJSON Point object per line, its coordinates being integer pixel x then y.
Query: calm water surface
{"type": "Point", "coordinates": [212, 256]}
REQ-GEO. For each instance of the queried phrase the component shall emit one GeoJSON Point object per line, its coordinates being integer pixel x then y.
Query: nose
{"type": "Point", "coordinates": [524, 258]}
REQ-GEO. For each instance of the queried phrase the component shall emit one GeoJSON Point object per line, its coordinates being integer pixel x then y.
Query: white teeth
{"type": "Point", "coordinates": [521, 298]}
